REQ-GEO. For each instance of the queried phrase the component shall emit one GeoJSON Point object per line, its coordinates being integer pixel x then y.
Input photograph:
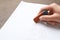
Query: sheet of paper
{"type": "Point", "coordinates": [20, 25]}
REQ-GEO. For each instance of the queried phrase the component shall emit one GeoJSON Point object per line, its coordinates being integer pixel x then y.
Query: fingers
{"type": "Point", "coordinates": [52, 23]}
{"type": "Point", "coordinates": [46, 8]}
{"type": "Point", "coordinates": [54, 17]}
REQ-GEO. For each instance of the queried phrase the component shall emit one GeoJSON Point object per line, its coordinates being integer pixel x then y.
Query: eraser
{"type": "Point", "coordinates": [44, 12]}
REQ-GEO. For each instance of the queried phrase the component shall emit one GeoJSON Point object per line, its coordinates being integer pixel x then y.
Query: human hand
{"type": "Point", "coordinates": [53, 19]}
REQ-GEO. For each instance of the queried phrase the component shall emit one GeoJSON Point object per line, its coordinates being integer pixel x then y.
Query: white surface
{"type": "Point", "coordinates": [20, 26]}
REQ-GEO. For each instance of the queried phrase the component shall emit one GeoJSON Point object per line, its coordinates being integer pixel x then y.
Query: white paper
{"type": "Point", "coordinates": [20, 25]}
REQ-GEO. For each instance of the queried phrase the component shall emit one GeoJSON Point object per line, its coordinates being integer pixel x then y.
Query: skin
{"type": "Point", "coordinates": [53, 19]}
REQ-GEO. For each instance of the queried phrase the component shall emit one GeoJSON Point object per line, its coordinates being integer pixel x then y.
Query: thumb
{"type": "Point", "coordinates": [47, 18]}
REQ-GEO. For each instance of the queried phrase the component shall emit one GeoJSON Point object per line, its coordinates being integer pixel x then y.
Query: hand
{"type": "Point", "coordinates": [53, 19]}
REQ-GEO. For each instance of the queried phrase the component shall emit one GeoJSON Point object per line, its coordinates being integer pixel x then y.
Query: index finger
{"type": "Point", "coordinates": [46, 8]}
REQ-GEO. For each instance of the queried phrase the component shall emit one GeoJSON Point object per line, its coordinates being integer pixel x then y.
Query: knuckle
{"type": "Point", "coordinates": [54, 4]}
